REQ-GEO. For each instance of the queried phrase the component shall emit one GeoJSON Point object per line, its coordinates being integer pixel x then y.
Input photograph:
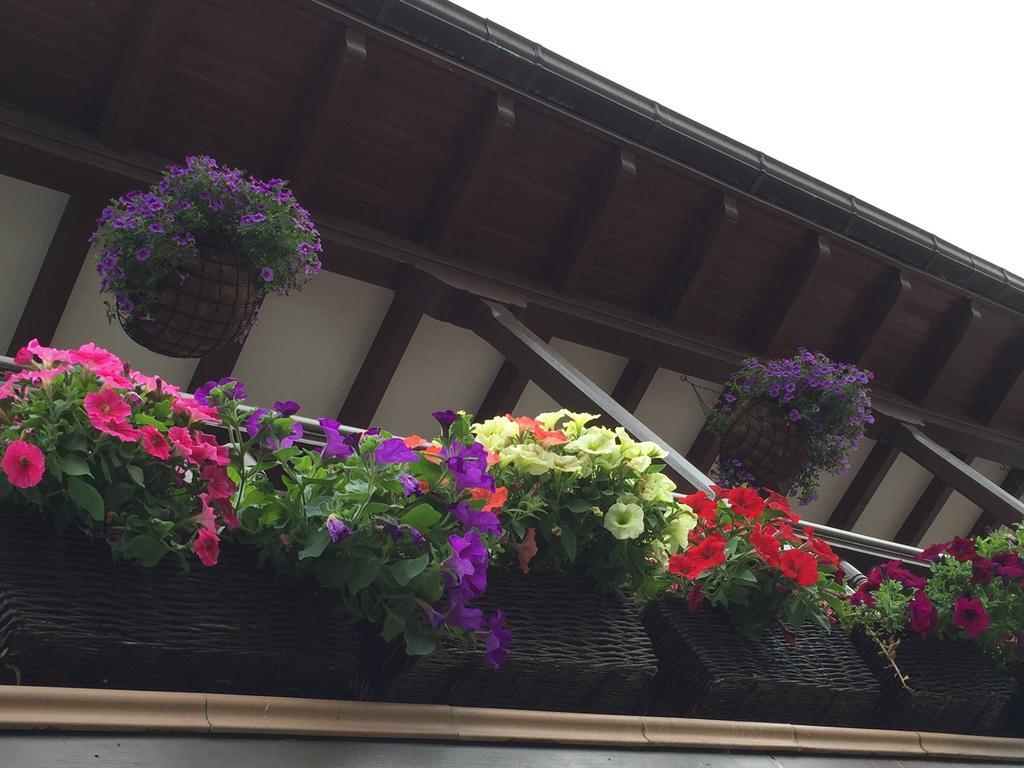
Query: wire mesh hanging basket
{"type": "Point", "coordinates": [208, 304]}
{"type": "Point", "coordinates": [761, 440]}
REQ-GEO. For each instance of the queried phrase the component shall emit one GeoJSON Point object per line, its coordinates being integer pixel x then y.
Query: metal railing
{"type": "Point", "coordinates": [313, 435]}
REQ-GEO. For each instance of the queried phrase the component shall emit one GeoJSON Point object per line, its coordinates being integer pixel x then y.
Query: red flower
{"type": "Point", "coordinates": [745, 501]}
{"type": "Point", "coordinates": [821, 548]}
{"type": "Point", "coordinates": [699, 558]}
{"type": "Point", "coordinates": [23, 463]}
{"type": "Point", "coordinates": [779, 503]}
{"type": "Point", "coordinates": [706, 509]}
{"type": "Point", "coordinates": [207, 546]}
{"type": "Point", "coordinates": [862, 597]}
{"type": "Point", "coordinates": [970, 615]}
{"type": "Point", "coordinates": [932, 553]}
{"type": "Point", "coordinates": [983, 570]}
{"type": "Point", "coordinates": [693, 598]}
{"type": "Point", "coordinates": [155, 444]}
{"type": "Point", "coordinates": [800, 566]}
{"type": "Point", "coordinates": [763, 540]}
{"type": "Point", "coordinates": [922, 614]}
{"type": "Point", "coordinates": [961, 549]}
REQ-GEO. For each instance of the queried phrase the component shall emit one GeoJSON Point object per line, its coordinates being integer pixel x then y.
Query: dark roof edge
{"type": "Point", "coordinates": [503, 54]}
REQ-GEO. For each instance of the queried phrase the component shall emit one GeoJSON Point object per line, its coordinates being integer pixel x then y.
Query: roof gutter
{"type": "Point", "coordinates": [521, 63]}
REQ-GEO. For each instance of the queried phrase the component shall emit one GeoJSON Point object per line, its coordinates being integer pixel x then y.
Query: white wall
{"type": "Point", "coordinates": [28, 218]}
{"type": "Point", "coordinates": [959, 515]}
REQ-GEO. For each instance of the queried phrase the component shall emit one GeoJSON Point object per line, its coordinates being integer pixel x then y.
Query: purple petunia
{"type": "Point", "coordinates": [337, 529]}
{"type": "Point", "coordinates": [467, 564]}
{"type": "Point", "coordinates": [267, 274]}
{"type": "Point", "coordinates": [445, 419]}
{"type": "Point", "coordinates": [143, 254]}
{"type": "Point", "coordinates": [794, 415]}
{"type": "Point", "coordinates": [497, 640]}
{"type": "Point", "coordinates": [475, 519]}
{"type": "Point", "coordinates": [335, 447]}
{"type": "Point", "coordinates": [394, 451]}
{"type": "Point", "coordinates": [468, 464]}
{"type": "Point", "coordinates": [410, 485]}
{"type": "Point", "coordinates": [202, 395]}
{"type": "Point", "coordinates": [286, 407]}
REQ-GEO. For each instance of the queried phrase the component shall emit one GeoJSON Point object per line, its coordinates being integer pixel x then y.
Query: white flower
{"type": "Point", "coordinates": [531, 458]}
{"type": "Point", "coordinates": [624, 521]}
{"type": "Point", "coordinates": [496, 434]}
{"type": "Point", "coordinates": [550, 419]}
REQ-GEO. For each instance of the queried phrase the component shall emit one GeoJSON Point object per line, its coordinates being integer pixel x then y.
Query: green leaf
{"type": "Point", "coordinates": [428, 586]}
{"type": "Point", "coordinates": [363, 574]}
{"type": "Point", "coordinates": [145, 420]}
{"type": "Point", "coordinates": [148, 550]}
{"type": "Point", "coordinates": [579, 506]}
{"type": "Point", "coordinates": [136, 474]}
{"type": "Point", "coordinates": [117, 494]}
{"type": "Point", "coordinates": [376, 508]}
{"type": "Point", "coordinates": [74, 465]}
{"type": "Point", "coordinates": [405, 571]}
{"type": "Point", "coordinates": [318, 506]}
{"type": "Point", "coordinates": [569, 542]}
{"type": "Point", "coordinates": [315, 544]}
{"type": "Point", "coordinates": [419, 642]}
{"type": "Point", "coordinates": [86, 497]}
{"type": "Point", "coordinates": [393, 626]}
{"type": "Point", "coordinates": [422, 516]}
{"type": "Point", "coordinates": [746, 576]}
{"type": "Point", "coordinates": [75, 442]}
{"type": "Point", "coordinates": [796, 613]}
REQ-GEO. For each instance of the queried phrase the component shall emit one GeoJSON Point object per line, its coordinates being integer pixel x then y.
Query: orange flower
{"type": "Point", "coordinates": [430, 453]}
{"type": "Point", "coordinates": [544, 437]}
{"type": "Point", "coordinates": [495, 499]}
{"type": "Point", "coordinates": [527, 549]}
{"type": "Point", "coordinates": [492, 458]}
{"type": "Point", "coordinates": [526, 424]}
{"type": "Point", "coordinates": [413, 441]}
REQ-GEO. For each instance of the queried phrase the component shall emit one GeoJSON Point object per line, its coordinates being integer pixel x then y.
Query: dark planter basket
{"type": "Point", "coordinates": [956, 687]}
{"type": "Point", "coordinates": [573, 650]}
{"type": "Point", "coordinates": [765, 443]}
{"type": "Point", "coordinates": [212, 306]}
{"type": "Point", "coordinates": [71, 617]}
{"type": "Point", "coordinates": [708, 669]}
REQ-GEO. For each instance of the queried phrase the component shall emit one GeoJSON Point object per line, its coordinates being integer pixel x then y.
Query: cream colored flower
{"type": "Point", "coordinates": [568, 463]}
{"type": "Point", "coordinates": [577, 423]}
{"type": "Point", "coordinates": [550, 419]}
{"type": "Point", "coordinates": [677, 533]}
{"type": "Point", "coordinates": [656, 487]}
{"type": "Point", "coordinates": [659, 552]}
{"type": "Point", "coordinates": [598, 443]}
{"type": "Point", "coordinates": [531, 458]}
{"type": "Point", "coordinates": [639, 464]}
{"type": "Point", "coordinates": [496, 434]}
{"type": "Point", "coordinates": [624, 521]}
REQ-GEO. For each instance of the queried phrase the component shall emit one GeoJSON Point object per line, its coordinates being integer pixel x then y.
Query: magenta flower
{"type": "Point", "coordinates": [105, 406]}
{"type": "Point", "coordinates": [922, 613]}
{"type": "Point", "coordinates": [394, 451]}
{"type": "Point", "coordinates": [497, 641]}
{"type": "Point", "coordinates": [961, 549]}
{"type": "Point", "coordinates": [1009, 566]}
{"type": "Point", "coordinates": [23, 463]}
{"type": "Point", "coordinates": [932, 553]}
{"type": "Point", "coordinates": [970, 615]}
{"type": "Point", "coordinates": [896, 571]}
{"type": "Point", "coordinates": [155, 444]}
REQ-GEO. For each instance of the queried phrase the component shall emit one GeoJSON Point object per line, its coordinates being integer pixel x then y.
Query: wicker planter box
{"type": "Point", "coordinates": [707, 669]}
{"type": "Point", "coordinates": [573, 650]}
{"type": "Point", "coordinates": [70, 617]}
{"type": "Point", "coordinates": [955, 687]}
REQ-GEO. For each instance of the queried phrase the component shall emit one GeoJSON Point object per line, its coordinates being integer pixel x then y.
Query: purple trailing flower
{"type": "Point", "coordinates": [274, 442]}
{"type": "Point", "coordinates": [202, 395]}
{"type": "Point", "coordinates": [794, 415]}
{"type": "Point", "coordinates": [335, 447]}
{"type": "Point", "coordinates": [468, 564]}
{"type": "Point", "coordinates": [462, 616]}
{"type": "Point", "coordinates": [394, 451]}
{"type": "Point", "coordinates": [337, 529]}
{"type": "Point", "coordinates": [445, 419]}
{"type": "Point", "coordinates": [143, 254]}
{"type": "Point", "coordinates": [475, 519]}
{"type": "Point", "coordinates": [410, 485]}
{"type": "Point", "coordinates": [267, 275]}
{"type": "Point", "coordinates": [286, 407]}
{"type": "Point", "coordinates": [497, 640]}
{"type": "Point", "coordinates": [468, 465]}
{"type": "Point", "coordinates": [254, 423]}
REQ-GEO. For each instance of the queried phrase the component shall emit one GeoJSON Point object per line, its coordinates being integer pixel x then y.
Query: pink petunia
{"type": "Point", "coordinates": [155, 444]}
{"type": "Point", "coordinates": [207, 546]}
{"type": "Point", "coordinates": [122, 430]}
{"type": "Point", "coordinates": [218, 484]}
{"type": "Point", "coordinates": [104, 406]}
{"type": "Point", "coordinates": [227, 514]}
{"type": "Point", "coordinates": [181, 439]}
{"type": "Point", "coordinates": [206, 449]}
{"type": "Point", "coordinates": [23, 463]}
{"type": "Point", "coordinates": [34, 350]}
{"type": "Point", "coordinates": [34, 377]}
{"type": "Point", "coordinates": [97, 359]}
{"type": "Point", "coordinates": [205, 518]}
{"type": "Point", "coordinates": [152, 383]}
{"type": "Point", "coordinates": [187, 406]}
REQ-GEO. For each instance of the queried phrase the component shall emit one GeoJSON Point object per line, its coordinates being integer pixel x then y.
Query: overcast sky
{"type": "Point", "coordinates": [915, 107]}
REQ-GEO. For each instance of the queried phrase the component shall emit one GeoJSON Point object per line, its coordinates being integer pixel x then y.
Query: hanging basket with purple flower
{"type": "Point", "coordinates": [188, 262]}
{"type": "Point", "coordinates": [781, 423]}
{"type": "Point", "coordinates": [945, 639]}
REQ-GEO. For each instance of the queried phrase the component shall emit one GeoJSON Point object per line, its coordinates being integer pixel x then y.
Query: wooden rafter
{"type": "Point", "coordinates": [417, 295]}
{"type": "Point", "coordinates": [632, 384]}
{"type": "Point", "coordinates": [881, 307]}
{"type": "Point", "coordinates": [964, 478]}
{"type": "Point", "coordinates": [590, 227]}
{"type": "Point", "coordinates": [927, 508]}
{"type": "Point", "coordinates": [339, 82]}
{"type": "Point", "coordinates": [472, 170]}
{"type": "Point", "coordinates": [691, 273]}
{"type": "Point", "coordinates": [1013, 484]}
{"type": "Point", "coordinates": [140, 71]}
{"type": "Point", "coordinates": [863, 486]}
{"type": "Point", "coordinates": [59, 271]}
{"type": "Point", "coordinates": [704, 450]}
{"type": "Point", "coordinates": [510, 382]}
{"type": "Point", "coordinates": [997, 389]}
{"type": "Point", "coordinates": [803, 280]}
{"type": "Point", "coordinates": [562, 381]}
{"type": "Point", "coordinates": [951, 336]}
{"type": "Point", "coordinates": [216, 365]}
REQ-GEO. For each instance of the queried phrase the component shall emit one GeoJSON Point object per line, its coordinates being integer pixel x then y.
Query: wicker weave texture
{"type": "Point", "coordinates": [572, 650]}
{"type": "Point", "coordinates": [956, 687]}
{"type": "Point", "coordinates": [766, 443]}
{"type": "Point", "coordinates": [70, 617]}
{"type": "Point", "coordinates": [708, 669]}
{"type": "Point", "coordinates": [210, 305]}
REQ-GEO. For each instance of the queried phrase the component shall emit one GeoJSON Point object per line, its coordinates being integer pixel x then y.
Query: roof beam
{"type": "Point", "coordinates": [140, 71]}
{"type": "Point", "coordinates": [339, 82]}
{"type": "Point", "coordinates": [876, 316]}
{"type": "Point", "coordinates": [59, 271]}
{"type": "Point", "coordinates": [703, 247]}
{"type": "Point", "coordinates": [947, 340]}
{"type": "Point", "coordinates": [801, 282]}
{"type": "Point", "coordinates": [417, 295]}
{"type": "Point", "coordinates": [592, 222]}
{"type": "Point", "coordinates": [1013, 484]}
{"type": "Point", "coordinates": [216, 365]}
{"type": "Point", "coordinates": [997, 389]}
{"type": "Point", "coordinates": [863, 486]}
{"type": "Point", "coordinates": [632, 384]}
{"type": "Point", "coordinates": [927, 508]}
{"type": "Point", "coordinates": [562, 381]}
{"type": "Point", "coordinates": [704, 450]}
{"type": "Point", "coordinates": [509, 383]}
{"type": "Point", "coordinates": [472, 171]}
{"type": "Point", "coordinates": [964, 478]}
